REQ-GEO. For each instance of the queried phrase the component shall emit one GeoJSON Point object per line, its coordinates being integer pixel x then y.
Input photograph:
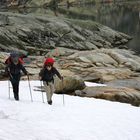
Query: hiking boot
{"type": "Point", "coordinates": [50, 102]}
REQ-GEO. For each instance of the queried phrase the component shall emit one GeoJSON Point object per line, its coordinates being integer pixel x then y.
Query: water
{"type": "Point", "coordinates": [124, 20]}
{"type": "Point", "coordinates": [120, 18]}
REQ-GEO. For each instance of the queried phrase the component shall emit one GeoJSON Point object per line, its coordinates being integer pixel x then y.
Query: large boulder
{"type": "Point", "coordinates": [102, 65]}
{"type": "Point", "coordinates": [121, 94]}
{"type": "Point", "coordinates": [133, 83]}
{"type": "Point", "coordinates": [110, 74]}
{"type": "Point", "coordinates": [125, 57]}
{"type": "Point", "coordinates": [69, 84]}
{"type": "Point", "coordinates": [93, 57]}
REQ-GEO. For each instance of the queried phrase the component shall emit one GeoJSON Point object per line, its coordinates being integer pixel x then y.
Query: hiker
{"type": "Point", "coordinates": [13, 70]}
{"type": "Point", "coordinates": [20, 56]}
{"type": "Point", "coordinates": [47, 74]}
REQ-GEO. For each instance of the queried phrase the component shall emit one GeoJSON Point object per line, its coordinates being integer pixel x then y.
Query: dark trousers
{"type": "Point", "coordinates": [16, 90]}
{"type": "Point", "coordinates": [15, 84]}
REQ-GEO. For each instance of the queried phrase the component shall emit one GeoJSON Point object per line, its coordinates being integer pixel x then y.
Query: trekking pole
{"type": "Point", "coordinates": [63, 100]}
{"type": "Point", "coordinates": [63, 92]}
{"type": "Point", "coordinates": [42, 91]}
{"type": "Point", "coordinates": [9, 88]}
{"type": "Point", "coordinates": [30, 88]}
{"type": "Point", "coordinates": [9, 81]}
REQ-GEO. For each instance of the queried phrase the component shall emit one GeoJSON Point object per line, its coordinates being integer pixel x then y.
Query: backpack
{"type": "Point", "coordinates": [14, 56]}
{"type": "Point", "coordinates": [49, 61]}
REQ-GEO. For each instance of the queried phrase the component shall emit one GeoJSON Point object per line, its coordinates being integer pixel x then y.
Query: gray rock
{"type": "Point", "coordinates": [133, 83]}
{"type": "Point", "coordinates": [120, 94]}
{"type": "Point", "coordinates": [4, 20]}
{"type": "Point", "coordinates": [69, 84]}
{"type": "Point", "coordinates": [49, 32]}
{"type": "Point", "coordinates": [91, 46]}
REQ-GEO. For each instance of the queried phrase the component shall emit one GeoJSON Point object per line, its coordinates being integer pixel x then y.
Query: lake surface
{"type": "Point", "coordinates": [118, 17]}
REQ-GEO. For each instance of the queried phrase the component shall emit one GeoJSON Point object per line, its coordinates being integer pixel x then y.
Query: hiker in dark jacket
{"type": "Point", "coordinates": [47, 76]}
{"type": "Point", "coordinates": [13, 70]}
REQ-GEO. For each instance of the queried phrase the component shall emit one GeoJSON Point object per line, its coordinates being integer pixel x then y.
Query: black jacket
{"type": "Point", "coordinates": [14, 71]}
{"type": "Point", "coordinates": [47, 75]}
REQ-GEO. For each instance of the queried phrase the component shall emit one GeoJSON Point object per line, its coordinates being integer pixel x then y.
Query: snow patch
{"type": "Point", "coordinates": [3, 115]}
{"type": "Point", "coordinates": [79, 119]}
{"type": "Point", "coordinates": [90, 84]}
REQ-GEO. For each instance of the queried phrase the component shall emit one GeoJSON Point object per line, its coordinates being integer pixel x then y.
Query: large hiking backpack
{"type": "Point", "coordinates": [14, 57]}
{"type": "Point", "coordinates": [49, 61]}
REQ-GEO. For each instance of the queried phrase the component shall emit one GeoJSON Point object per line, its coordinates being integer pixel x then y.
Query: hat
{"type": "Point", "coordinates": [49, 61]}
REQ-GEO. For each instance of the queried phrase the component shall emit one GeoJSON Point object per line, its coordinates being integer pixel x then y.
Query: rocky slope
{"type": "Point", "coordinates": [41, 32]}
{"type": "Point", "coordinates": [46, 3]}
{"type": "Point", "coordinates": [82, 49]}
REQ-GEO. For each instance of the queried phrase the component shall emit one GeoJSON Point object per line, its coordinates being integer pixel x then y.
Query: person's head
{"type": "Point", "coordinates": [15, 60]}
{"type": "Point", "coordinates": [14, 57]}
{"type": "Point", "coordinates": [49, 66]}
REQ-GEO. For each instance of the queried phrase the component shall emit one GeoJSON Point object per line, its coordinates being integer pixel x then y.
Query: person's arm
{"type": "Point", "coordinates": [24, 70]}
{"type": "Point", "coordinates": [7, 70]}
{"type": "Point", "coordinates": [41, 74]}
{"type": "Point", "coordinates": [57, 73]}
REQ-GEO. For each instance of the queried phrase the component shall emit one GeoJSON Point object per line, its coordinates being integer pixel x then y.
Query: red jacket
{"type": "Point", "coordinates": [8, 60]}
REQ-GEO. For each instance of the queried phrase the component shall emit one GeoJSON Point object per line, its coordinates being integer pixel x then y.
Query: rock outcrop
{"type": "Point", "coordinates": [121, 94]}
{"type": "Point", "coordinates": [102, 65]}
{"type": "Point", "coordinates": [37, 33]}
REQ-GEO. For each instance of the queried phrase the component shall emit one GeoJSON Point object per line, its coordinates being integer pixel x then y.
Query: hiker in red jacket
{"type": "Point", "coordinates": [9, 61]}
{"type": "Point", "coordinates": [47, 74]}
{"type": "Point", "coordinates": [20, 57]}
{"type": "Point", "coordinates": [13, 70]}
